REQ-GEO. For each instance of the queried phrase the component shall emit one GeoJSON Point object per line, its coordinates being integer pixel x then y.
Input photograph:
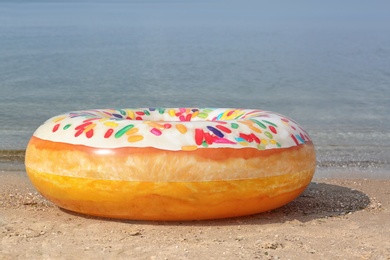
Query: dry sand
{"type": "Point", "coordinates": [333, 219]}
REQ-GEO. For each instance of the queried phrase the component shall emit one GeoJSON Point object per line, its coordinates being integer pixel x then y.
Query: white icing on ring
{"type": "Point", "coordinates": [174, 128]}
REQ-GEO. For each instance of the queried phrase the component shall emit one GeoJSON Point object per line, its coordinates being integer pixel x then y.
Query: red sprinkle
{"type": "Point", "coordinates": [248, 138]}
{"type": "Point", "coordinates": [223, 128]}
{"type": "Point", "coordinates": [167, 126]}
{"type": "Point", "coordinates": [230, 112]}
{"type": "Point", "coordinates": [108, 133]}
{"type": "Point", "coordinates": [140, 113]}
{"type": "Point", "coordinates": [257, 140]}
{"type": "Point", "coordinates": [199, 136]}
{"type": "Point", "coordinates": [273, 129]}
{"type": "Point", "coordinates": [82, 126]}
{"type": "Point", "coordinates": [295, 139]}
{"type": "Point", "coordinates": [188, 117]}
{"type": "Point", "coordinates": [89, 134]}
{"type": "Point", "coordinates": [55, 128]}
{"type": "Point", "coordinates": [79, 132]}
{"type": "Point", "coordinates": [208, 138]}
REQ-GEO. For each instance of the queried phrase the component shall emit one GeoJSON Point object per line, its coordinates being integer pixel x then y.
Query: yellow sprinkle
{"type": "Point", "coordinates": [250, 124]}
{"type": "Point", "coordinates": [58, 119]}
{"type": "Point", "coordinates": [135, 138]}
{"type": "Point", "coordinates": [155, 125]}
{"type": "Point", "coordinates": [272, 141]}
{"type": "Point", "coordinates": [189, 147]}
{"type": "Point", "coordinates": [195, 114]}
{"type": "Point", "coordinates": [285, 123]}
{"type": "Point", "coordinates": [234, 114]}
{"type": "Point", "coordinates": [243, 143]}
{"type": "Point", "coordinates": [246, 122]}
{"type": "Point", "coordinates": [257, 130]}
{"type": "Point", "coordinates": [171, 112]}
{"type": "Point", "coordinates": [182, 128]}
{"type": "Point", "coordinates": [130, 113]}
{"type": "Point", "coordinates": [263, 141]}
{"type": "Point", "coordinates": [111, 124]}
{"type": "Point", "coordinates": [132, 131]}
{"type": "Point", "coordinates": [89, 127]}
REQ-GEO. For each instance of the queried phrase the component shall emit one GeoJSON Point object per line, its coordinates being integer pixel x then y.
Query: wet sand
{"type": "Point", "coordinates": [332, 219]}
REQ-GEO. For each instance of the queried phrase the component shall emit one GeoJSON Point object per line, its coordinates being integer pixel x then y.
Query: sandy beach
{"type": "Point", "coordinates": [332, 219]}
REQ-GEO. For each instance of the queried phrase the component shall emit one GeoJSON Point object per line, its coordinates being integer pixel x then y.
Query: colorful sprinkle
{"type": "Point", "coordinates": [58, 119]}
{"type": "Point", "coordinates": [89, 133]}
{"type": "Point", "coordinates": [155, 131]}
{"type": "Point", "coordinates": [132, 131]}
{"type": "Point", "coordinates": [270, 123]}
{"type": "Point", "coordinates": [208, 138]}
{"type": "Point", "coordinates": [272, 129]}
{"type": "Point", "coordinates": [182, 128]}
{"type": "Point", "coordinates": [258, 123]}
{"type": "Point", "coordinates": [55, 128]}
{"type": "Point", "coordinates": [215, 131]}
{"type": "Point", "coordinates": [268, 134]}
{"type": "Point", "coordinates": [234, 125]}
{"type": "Point", "coordinates": [111, 124]}
{"type": "Point", "coordinates": [198, 136]}
{"type": "Point", "coordinates": [108, 133]}
{"type": "Point", "coordinates": [189, 147]}
{"type": "Point", "coordinates": [203, 115]}
{"type": "Point", "coordinates": [135, 138]}
{"type": "Point", "coordinates": [123, 131]}
{"type": "Point", "coordinates": [223, 128]}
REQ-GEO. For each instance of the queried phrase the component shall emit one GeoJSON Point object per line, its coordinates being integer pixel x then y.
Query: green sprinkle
{"type": "Point", "coordinates": [122, 112]}
{"type": "Point", "coordinates": [123, 131]}
{"type": "Point", "coordinates": [234, 125]}
{"type": "Point", "coordinates": [268, 122]}
{"type": "Point", "coordinates": [147, 112]}
{"type": "Point", "coordinates": [278, 145]}
{"type": "Point", "coordinates": [258, 123]}
{"type": "Point", "coordinates": [238, 117]}
{"type": "Point", "coordinates": [161, 110]}
{"type": "Point", "coordinates": [67, 126]}
{"type": "Point", "coordinates": [204, 144]}
{"type": "Point", "coordinates": [268, 134]}
{"type": "Point", "coordinates": [203, 115]}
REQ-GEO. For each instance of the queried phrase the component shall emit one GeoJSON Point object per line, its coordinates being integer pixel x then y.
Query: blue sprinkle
{"type": "Point", "coordinates": [300, 138]}
{"type": "Point", "coordinates": [117, 115]}
{"type": "Point", "coordinates": [219, 116]}
{"type": "Point", "coordinates": [239, 139]}
{"type": "Point", "coordinates": [215, 131]}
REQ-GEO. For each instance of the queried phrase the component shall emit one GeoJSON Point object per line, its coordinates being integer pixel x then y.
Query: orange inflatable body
{"type": "Point", "coordinates": [170, 164]}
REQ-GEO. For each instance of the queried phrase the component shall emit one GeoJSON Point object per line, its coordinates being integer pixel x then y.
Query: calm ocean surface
{"type": "Point", "coordinates": [325, 64]}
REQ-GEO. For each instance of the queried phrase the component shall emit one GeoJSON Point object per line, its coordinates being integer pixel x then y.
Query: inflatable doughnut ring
{"type": "Point", "coordinates": [170, 163]}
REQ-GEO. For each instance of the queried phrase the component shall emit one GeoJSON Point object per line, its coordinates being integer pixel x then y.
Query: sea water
{"type": "Point", "coordinates": [325, 64]}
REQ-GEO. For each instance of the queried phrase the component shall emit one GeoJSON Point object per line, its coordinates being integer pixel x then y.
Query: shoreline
{"type": "Point", "coordinates": [333, 218]}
